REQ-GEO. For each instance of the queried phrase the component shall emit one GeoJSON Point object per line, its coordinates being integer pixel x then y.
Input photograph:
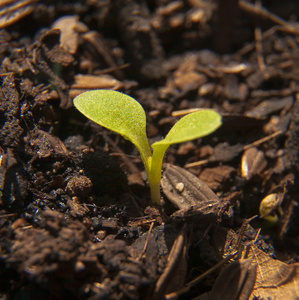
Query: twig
{"type": "Point", "coordinates": [256, 143]}
{"type": "Point", "coordinates": [262, 12]}
{"type": "Point", "coordinates": [263, 140]}
{"type": "Point", "coordinates": [259, 47]}
{"type": "Point", "coordinates": [185, 289]}
{"type": "Point", "coordinates": [146, 241]}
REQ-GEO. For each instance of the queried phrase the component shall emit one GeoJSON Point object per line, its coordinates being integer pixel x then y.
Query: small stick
{"type": "Point", "coordinates": [265, 139]}
{"type": "Point", "coordinates": [8, 215]}
{"type": "Point", "coordinates": [97, 41]}
{"type": "Point", "coordinates": [262, 12]}
{"type": "Point", "coordinates": [259, 47]}
{"type": "Point", "coordinates": [132, 167]}
{"type": "Point", "coordinates": [196, 163]}
{"type": "Point", "coordinates": [185, 289]}
{"type": "Point", "coordinates": [256, 143]}
{"type": "Point", "coordinates": [146, 241]}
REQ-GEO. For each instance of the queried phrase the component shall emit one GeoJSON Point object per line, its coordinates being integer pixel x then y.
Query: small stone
{"type": "Point", "coordinates": [180, 187]}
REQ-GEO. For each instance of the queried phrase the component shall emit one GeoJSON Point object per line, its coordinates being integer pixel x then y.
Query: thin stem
{"type": "Point", "coordinates": [155, 172]}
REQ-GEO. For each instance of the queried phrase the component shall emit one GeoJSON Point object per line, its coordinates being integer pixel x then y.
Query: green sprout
{"type": "Point", "coordinates": [124, 115]}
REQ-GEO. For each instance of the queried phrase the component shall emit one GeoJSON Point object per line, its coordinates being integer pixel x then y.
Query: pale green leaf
{"type": "Point", "coordinates": [117, 112]}
{"type": "Point", "coordinates": [190, 127]}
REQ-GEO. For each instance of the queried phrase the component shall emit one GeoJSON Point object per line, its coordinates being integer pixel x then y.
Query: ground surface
{"type": "Point", "coordinates": [76, 221]}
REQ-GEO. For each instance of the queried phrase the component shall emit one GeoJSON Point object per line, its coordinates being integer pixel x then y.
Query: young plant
{"type": "Point", "coordinates": [124, 115]}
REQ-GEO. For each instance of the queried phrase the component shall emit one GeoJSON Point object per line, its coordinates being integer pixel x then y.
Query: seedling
{"type": "Point", "coordinates": [124, 115]}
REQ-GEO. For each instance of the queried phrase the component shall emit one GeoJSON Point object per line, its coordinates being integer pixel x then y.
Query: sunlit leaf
{"type": "Point", "coordinates": [117, 112]}
{"type": "Point", "coordinates": [192, 126]}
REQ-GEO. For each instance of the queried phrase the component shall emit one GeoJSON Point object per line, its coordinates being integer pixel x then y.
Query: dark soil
{"type": "Point", "coordinates": [76, 221]}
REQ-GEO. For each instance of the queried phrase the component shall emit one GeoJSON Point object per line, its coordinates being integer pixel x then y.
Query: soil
{"type": "Point", "coordinates": [76, 220]}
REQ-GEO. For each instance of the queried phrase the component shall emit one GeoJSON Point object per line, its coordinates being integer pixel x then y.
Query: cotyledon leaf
{"type": "Point", "coordinates": [192, 126]}
{"type": "Point", "coordinates": [117, 112]}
